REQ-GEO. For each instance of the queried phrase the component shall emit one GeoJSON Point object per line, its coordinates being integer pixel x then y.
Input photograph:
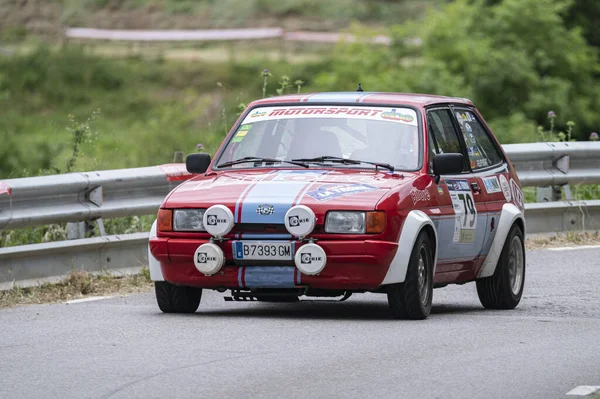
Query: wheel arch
{"type": "Point", "coordinates": [509, 216]}
{"type": "Point", "coordinates": [416, 222]}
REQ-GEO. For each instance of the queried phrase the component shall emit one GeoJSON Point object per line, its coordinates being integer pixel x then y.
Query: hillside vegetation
{"type": "Point", "coordinates": [516, 59]}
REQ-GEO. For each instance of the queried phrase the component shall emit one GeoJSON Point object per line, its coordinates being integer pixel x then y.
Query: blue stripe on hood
{"type": "Point", "coordinates": [278, 192]}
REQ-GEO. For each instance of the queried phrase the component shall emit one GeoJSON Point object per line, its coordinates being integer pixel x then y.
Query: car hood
{"type": "Point", "coordinates": [265, 196]}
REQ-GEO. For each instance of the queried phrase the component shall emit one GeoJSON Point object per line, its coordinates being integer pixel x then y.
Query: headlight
{"type": "Point", "coordinates": [188, 220]}
{"type": "Point", "coordinates": [345, 222]}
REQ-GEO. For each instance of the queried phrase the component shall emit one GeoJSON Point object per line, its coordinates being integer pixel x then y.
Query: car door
{"type": "Point", "coordinates": [489, 169]}
{"type": "Point", "coordinates": [462, 215]}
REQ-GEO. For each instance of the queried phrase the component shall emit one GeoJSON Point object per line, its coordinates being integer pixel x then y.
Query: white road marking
{"type": "Point", "coordinates": [88, 299]}
{"type": "Point", "coordinates": [583, 390]}
{"type": "Point", "coordinates": [574, 248]}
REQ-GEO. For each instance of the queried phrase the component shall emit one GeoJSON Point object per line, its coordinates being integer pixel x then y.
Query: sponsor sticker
{"type": "Point", "coordinates": [505, 188]}
{"type": "Point", "coordinates": [239, 136]}
{"type": "Point", "coordinates": [307, 258]}
{"type": "Point", "coordinates": [296, 220]}
{"type": "Point", "coordinates": [492, 185]}
{"type": "Point", "coordinates": [258, 114]}
{"type": "Point", "coordinates": [419, 195]}
{"type": "Point", "coordinates": [265, 209]}
{"type": "Point", "coordinates": [468, 128]}
{"type": "Point", "coordinates": [473, 151]}
{"type": "Point", "coordinates": [331, 191]}
{"type": "Point", "coordinates": [397, 116]}
{"type": "Point", "coordinates": [517, 193]}
{"type": "Point", "coordinates": [481, 163]}
{"type": "Point", "coordinates": [463, 203]}
{"type": "Point", "coordinates": [203, 257]}
{"type": "Point", "coordinates": [213, 220]}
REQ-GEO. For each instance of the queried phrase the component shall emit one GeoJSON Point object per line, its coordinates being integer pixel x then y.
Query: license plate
{"type": "Point", "coordinates": [256, 250]}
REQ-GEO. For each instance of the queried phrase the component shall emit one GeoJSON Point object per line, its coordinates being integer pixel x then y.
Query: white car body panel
{"type": "Point", "coordinates": [415, 222]}
{"type": "Point", "coordinates": [510, 214]}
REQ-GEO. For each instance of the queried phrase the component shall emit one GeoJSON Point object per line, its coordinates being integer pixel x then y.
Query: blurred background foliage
{"type": "Point", "coordinates": [516, 59]}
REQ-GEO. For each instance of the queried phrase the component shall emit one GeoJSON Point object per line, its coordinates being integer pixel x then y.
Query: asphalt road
{"type": "Point", "coordinates": [126, 348]}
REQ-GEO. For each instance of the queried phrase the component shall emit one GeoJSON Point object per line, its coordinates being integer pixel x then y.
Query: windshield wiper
{"type": "Point", "coordinates": [259, 159]}
{"type": "Point", "coordinates": [345, 161]}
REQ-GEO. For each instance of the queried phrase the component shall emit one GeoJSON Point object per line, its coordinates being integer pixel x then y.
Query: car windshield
{"type": "Point", "coordinates": [375, 135]}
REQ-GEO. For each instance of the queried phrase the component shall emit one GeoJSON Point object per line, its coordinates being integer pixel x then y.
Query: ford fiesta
{"type": "Point", "coordinates": [331, 194]}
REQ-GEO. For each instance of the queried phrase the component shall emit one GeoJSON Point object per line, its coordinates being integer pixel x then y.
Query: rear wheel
{"type": "Point", "coordinates": [503, 290]}
{"type": "Point", "coordinates": [412, 298]}
{"type": "Point", "coordinates": [176, 299]}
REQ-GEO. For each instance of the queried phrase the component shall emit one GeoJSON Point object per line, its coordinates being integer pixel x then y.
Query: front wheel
{"type": "Point", "coordinates": [412, 298]}
{"type": "Point", "coordinates": [176, 299]}
{"type": "Point", "coordinates": [503, 290]}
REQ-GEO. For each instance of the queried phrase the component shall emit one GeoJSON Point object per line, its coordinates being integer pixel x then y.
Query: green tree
{"type": "Point", "coordinates": [516, 60]}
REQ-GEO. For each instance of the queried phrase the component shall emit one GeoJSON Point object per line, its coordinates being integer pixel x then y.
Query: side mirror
{"type": "Point", "coordinates": [197, 163]}
{"type": "Point", "coordinates": [448, 164]}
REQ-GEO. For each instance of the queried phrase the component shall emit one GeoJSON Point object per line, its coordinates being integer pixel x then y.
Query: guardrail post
{"type": "Point", "coordinates": [75, 230]}
{"type": "Point", "coordinates": [548, 194]}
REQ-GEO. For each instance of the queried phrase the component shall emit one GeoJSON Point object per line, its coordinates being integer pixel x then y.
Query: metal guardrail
{"type": "Point", "coordinates": [76, 197]}
{"type": "Point", "coordinates": [79, 197]}
{"type": "Point", "coordinates": [556, 164]}
{"type": "Point", "coordinates": [174, 35]}
{"type": "Point", "coordinates": [219, 35]}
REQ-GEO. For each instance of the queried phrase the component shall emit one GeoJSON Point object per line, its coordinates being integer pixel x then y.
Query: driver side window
{"type": "Point", "coordinates": [442, 129]}
{"type": "Point", "coordinates": [443, 137]}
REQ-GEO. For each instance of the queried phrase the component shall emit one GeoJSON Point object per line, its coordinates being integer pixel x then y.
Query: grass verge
{"type": "Point", "coordinates": [77, 284]}
{"type": "Point", "coordinates": [562, 240]}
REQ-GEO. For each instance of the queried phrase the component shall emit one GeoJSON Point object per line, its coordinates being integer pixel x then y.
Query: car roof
{"type": "Point", "coordinates": [353, 97]}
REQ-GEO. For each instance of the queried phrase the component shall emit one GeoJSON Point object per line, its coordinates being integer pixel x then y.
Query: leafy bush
{"type": "Point", "coordinates": [515, 60]}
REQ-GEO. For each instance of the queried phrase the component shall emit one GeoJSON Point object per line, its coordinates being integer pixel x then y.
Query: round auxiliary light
{"type": "Point", "coordinates": [209, 259]}
{"type": "Point", "coordinates": [310, 259]}
{"type": "Point", "coordinates": [300, 221]}
{"type": "Point", "coordinates": [218, 220]}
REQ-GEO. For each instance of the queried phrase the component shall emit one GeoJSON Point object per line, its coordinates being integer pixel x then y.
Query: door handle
{"type": "Point", "coordinates": [475, 187]}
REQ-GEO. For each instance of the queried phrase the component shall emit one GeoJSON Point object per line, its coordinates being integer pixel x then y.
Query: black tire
{"type": "Point", "coordinates": [412, 298]}
{"type": "Point", "coordinates": [503, 290]}
{"type": "Point", "coordinates": [175, 299]}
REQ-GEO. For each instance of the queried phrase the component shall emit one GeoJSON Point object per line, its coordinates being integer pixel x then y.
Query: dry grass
{"type": "Point", "coordinates": [563, 240]}
{"type": "Point", "coordinates": [76, 285]}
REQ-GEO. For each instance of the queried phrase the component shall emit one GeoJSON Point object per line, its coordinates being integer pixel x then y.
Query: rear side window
{"type": "Point", "coordinates": [481, 150]}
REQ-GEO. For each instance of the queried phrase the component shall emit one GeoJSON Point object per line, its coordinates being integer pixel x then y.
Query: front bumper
{"type": "Point", "coordinates": [351, 265]}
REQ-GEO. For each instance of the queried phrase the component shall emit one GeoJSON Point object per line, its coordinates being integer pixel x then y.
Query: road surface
{"type": "Point", "coordinates": [125, 348]}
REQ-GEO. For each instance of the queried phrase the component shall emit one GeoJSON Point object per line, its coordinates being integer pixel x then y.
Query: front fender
{"type": "Point", "coordinates": [510, 214]}
{"type": "Point", "coordinates": [414, 223]}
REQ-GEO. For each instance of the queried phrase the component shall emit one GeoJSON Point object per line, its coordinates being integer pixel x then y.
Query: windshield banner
{"type": "Point", "coordinates": [401, 115]}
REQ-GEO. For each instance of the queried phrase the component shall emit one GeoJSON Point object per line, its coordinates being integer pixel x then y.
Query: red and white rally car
{"type": "Point", "coordinates": [330, 194]}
